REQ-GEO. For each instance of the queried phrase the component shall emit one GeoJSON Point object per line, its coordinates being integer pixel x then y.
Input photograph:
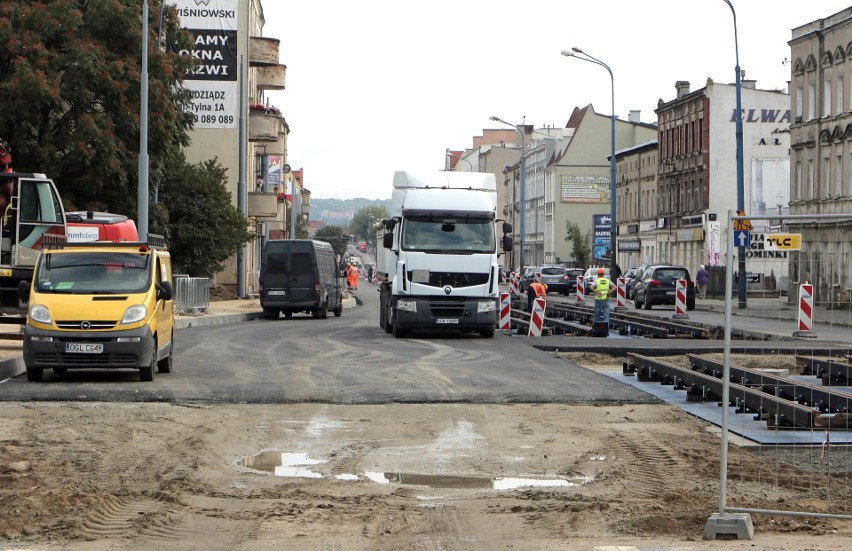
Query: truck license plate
{"type": "Point", "coordinates": [84, 348]}
{"type": "Point", "coordinates": [277, 293]}
{"type": "Point", "coordinates": [447, 321]}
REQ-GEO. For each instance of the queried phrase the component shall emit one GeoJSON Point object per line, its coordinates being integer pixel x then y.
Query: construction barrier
{"type": "Point", "coordinates": [192, 295]}
{"type": "Point", "coordinates": [806, 311]}
{"type": "Point", "coordinates": [538, 277]}
{"type": "Point", "coordinates": [621, 294]}
{"type": "Point", "coordinates": [505, 311]}
{"type": "Point", "coordinates": [514, 286]}
{"type": "Point", "coordinates": [537, 317]}
{"type": "Point", "coordinates": [680, 300]}
{"type": "Point", "coordinates": [581, 288]}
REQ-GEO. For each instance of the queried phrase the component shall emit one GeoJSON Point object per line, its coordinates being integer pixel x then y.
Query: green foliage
{"type": "Point", "coordinates": [205, 229]}
{"type": "Point", "coordinates": [337, 237]}
{"type": "Point", "coordinates": [581, 244]}
{"type": "Point", "coordinates": [364, 220]}
{"type": "Point", "coordinates": [70, 82]}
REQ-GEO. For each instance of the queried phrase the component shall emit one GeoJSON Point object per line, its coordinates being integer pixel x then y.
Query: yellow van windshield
{"type": "Point", "coordinates": [93, 272]}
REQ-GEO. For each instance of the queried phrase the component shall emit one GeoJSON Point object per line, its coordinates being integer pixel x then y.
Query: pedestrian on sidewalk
{"type": "Point", "coordinates": [603, 288]}
{"type": "Point", "coordinates": [702, 276]}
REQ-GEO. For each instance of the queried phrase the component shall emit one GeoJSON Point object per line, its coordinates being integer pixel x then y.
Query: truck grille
{"type": "Point", "coordinates": [441, 279]}
{"type": "Point", "coordinates": [443, 308]}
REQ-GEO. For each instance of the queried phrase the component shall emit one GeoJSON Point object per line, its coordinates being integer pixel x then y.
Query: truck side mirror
{"type": "Point", "coordinates": [507, 228]}
{"type": "Point", "coordinates": [507, 243]}
{"type": "Point", "coordinates": [387, 240]}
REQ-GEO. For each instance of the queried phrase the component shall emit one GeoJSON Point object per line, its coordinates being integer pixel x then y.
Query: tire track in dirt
{"type": "Point", "coordinates": [119, 517]}
{"type": "Point", "coordinates": [646, 462]}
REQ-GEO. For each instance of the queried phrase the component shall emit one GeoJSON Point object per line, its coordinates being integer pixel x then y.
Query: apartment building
{"type": "Point", "coordinates": [821, 153]}
{"type": "Point", "coordinates": [697, 170]}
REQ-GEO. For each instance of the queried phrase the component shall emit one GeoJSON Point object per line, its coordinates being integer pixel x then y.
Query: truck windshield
{"type": "Point", "coordinates": [101, 272]}
{"type": "Point", "coordinates": [448, 235]}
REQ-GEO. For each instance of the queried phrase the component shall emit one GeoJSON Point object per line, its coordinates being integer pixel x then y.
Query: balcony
{"type": "Point", "coordinates": [262, 204]}
{"type": "Point", "coordinates": [263, 51]}
{"type": "Point", "coordinates": [270, 78]}
{"type": "Point", "coordinates": [265, 125]}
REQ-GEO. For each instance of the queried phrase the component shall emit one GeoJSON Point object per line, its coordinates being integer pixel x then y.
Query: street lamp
{"type": "Point", "coordinates": [523, 182]}
{"type": "Point", "coordinates": [613, 229]}
{"type": "Point", "coordinates": [741, 260]}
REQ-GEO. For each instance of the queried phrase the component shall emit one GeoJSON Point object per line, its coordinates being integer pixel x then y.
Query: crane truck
{"type": "Point", "coordinates": [437, 263]}
{"type": "Point", "coordinates": [34, 218]}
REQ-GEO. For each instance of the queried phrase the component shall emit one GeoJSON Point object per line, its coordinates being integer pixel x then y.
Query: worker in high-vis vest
{"type": "Point", "coordinates": [603, 288]}
{"type": "Point", "coordinates": [535, 291]}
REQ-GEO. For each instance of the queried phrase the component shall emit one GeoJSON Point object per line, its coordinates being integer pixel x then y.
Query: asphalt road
{"type": "Point", "coordinates": [346, 360]}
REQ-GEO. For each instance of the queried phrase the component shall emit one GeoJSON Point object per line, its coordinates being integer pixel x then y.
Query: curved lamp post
{"type": "Point", "coordinates": [523, 184]}
{"type": "Point", "coordinates": [613, 228]}
{"type": "Point", "coordinates": [741, 261]}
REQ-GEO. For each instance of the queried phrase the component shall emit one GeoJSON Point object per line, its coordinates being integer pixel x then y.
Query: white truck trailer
{"type": "Point", "coordinates": [437, 263]}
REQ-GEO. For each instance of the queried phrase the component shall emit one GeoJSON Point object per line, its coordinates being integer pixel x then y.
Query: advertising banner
{"type": "Point", "coordinates": [213, 84]}
{"type": "Point", "coordinates": [585, 189]}
{"type": "Point", "coordinates": [601, 239]}
{"type": "Point", "coordinates": [714, 240]}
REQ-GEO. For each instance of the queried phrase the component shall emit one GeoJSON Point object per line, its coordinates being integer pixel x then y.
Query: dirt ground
{"type": "Point", "coordinates": [99, 476]}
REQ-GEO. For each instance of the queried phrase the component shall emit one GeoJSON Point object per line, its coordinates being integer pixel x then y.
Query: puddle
{"type": "Point", "coordinates": [297, 465]}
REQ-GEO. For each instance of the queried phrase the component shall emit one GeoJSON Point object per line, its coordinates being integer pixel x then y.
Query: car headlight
{"type": "Point", "coordinates": [486, 306]}
{"type": "Point", "coordinates": [134, 314]}
{"type": "Point", "coordinates": [407, 305]}
{"type": "Point", "coordinates": [40, 313]}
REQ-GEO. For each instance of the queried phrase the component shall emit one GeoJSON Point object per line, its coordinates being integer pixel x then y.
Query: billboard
{"type": "Point", "coordinates": [584, 189]}
{"type": "Point", "coordinates": [601, 237]}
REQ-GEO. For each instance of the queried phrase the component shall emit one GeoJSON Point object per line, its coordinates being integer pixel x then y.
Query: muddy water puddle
{"type": "Point", "coordinates": [300, 465]}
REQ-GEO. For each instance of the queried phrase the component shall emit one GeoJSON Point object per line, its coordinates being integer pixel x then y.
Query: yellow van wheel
{"type": "Point", "coordinates": [147, 373]}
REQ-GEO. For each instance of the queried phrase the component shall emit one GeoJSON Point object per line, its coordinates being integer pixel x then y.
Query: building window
{"type": "Point", "coordinates": [839, 100]}
{"type": "Point", "coordinates": [799, 99]}
{"type": "Point", "coordinates": [797, 182]}
{"type": "Point", "coordinates": [810, 188]}
{"type": "Point", "coordinates": [826, 177]}
{"type": "Point", "coordinates": [838, 174]}
{"type": "Point", "coordinates": [811, 114]}
{"type": "Point", "coordinates": [826, 98]}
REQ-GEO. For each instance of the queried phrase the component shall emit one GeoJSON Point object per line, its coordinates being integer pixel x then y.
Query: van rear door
{"type": "Point", "coordinates": [303, 275]}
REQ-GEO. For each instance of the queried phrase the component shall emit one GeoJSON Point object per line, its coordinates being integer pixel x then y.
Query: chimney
{"type": "Point", "coordinates": [682, 87]}
{"type": "Point", "coordinates": [634, 116]}
{"type": "Point", "coordinates": [750, 84]}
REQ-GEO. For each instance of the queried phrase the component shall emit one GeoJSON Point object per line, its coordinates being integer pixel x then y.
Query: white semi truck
{"type": "Point", "coordinates": [437, 263]}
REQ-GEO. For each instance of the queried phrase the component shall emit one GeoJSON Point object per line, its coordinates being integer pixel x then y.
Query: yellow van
{"type": "Point", "coordinates": [100, 305]}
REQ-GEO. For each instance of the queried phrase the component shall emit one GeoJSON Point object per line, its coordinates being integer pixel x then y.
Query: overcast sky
{"type": "Point", "coordinates": [382, 85]}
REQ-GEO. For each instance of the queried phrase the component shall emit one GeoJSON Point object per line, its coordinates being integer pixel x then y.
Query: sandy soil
{"type": "Point", "coordinates": [136, 476]}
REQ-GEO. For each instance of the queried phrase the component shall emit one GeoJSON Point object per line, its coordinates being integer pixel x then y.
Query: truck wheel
{"type": "Point", "coordinates": [288, 314]}
{"type": "Point", "coordinates": [165, 365]}
{"type": "Point", "coordinates": [147, 373]}
{"type": "Point", "coordinates": [270, 314]}
{"type": "Point", "coordinates": [35, 374]}
{"type": "Point", "coordinates": [487, 333]}
{"type": "Point", "coordinates": [339, 310]}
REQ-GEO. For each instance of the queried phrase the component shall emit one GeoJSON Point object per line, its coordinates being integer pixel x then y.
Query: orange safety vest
{"type": "Point", "coordinates": [539, 288]}
{"type": "Point", "coordinates": [601, 288]}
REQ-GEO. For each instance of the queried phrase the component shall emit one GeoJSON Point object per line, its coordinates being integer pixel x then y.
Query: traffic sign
{"type": "Point", "coordinates": [742, 238]}
{"type": "Point", "coordinates": [744, 224]}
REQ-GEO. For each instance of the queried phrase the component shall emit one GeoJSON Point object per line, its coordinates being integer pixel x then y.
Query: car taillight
{"type": "Point", "coordinates": [565, 278]}
{"type": "Point", "coordinates": [260, 284]}
{"type": "Point", "coordinates": [316, 287]}
{"type": "Point", "coordinates": [653, 283]}
{"type": "Point", "coordinates": [689, 283]}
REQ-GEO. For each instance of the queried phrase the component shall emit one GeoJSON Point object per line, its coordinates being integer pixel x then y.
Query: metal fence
{"type": "Point", "coordinates": [810, 257]}
{"type": "Point", "coordinates": [192, 295]}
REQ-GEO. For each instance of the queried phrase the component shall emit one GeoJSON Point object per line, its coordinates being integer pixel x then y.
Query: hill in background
{"type": "Point", "coordinates": [339, 212]}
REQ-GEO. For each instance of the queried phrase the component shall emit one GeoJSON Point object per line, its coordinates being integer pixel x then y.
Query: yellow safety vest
{"type": "Point", "coordinates": [601, 288]}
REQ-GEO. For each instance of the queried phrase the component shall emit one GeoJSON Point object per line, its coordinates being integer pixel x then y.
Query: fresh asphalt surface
{"type": "Point", "coordinates": [345, 360]}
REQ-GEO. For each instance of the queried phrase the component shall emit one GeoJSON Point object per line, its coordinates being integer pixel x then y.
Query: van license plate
{"type": "Point", "coordinates": [84, 348]}
{"type": "Point", "coordinates": [447, 321]}
{"type": "Point", "coordinates": [277, 293]}
{"type": "Point", "coordinates": [6, 272]}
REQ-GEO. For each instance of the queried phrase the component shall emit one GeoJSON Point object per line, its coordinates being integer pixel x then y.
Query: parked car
{"type": "Point", "coordinates": [658, 286]}
{"type": "Point", "coordinates": [572, 274]}
{"type": "Point", "coordinates": [591, 275]}
{"type": "Point", "coordinates": [527, 278]}
{"type": "Point", "coordinates": [630, 286]}
{"type": "Point", "coordinates": [557, 279]}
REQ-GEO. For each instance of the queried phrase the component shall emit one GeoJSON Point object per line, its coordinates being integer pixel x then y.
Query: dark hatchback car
{"type": "Point", "coordinates": [658, 285]}
{"type": "Point", "coordinates": [559, 279]}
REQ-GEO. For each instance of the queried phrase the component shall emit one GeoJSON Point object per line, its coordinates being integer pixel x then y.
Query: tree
{"type": "Point", "coordinates": [363, 221]}
{"type": "Point", "coordinates": [204, 228]}
{"type": "Point", "coordinates": [337, 237]}
{"type": "Point", "coordinates": [70, 79]}
{"type": "Point", "coordinates": [581, 245]}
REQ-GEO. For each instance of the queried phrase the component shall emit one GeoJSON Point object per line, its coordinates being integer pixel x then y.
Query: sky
{"type": "Point", "coordinates": [383, 85]}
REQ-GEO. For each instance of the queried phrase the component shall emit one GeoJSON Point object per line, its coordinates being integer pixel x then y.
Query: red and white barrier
{"type": "Point", "coordinates": [621, 294]}
{"type": "Point", "coordinates": [806, 311]}
{"type": "Point", "coordinates": [505, 311]}
{"type": "Point", "coordinates": [581, 288]}
{"type": "Point", "coordinates": [680, 300]}
{"type": "Point", "coordinates": [514, 287]}
{"type": "Point", "coordinates": [537, 317]}
{"type": "Point", "coordinates": [538, 277]}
